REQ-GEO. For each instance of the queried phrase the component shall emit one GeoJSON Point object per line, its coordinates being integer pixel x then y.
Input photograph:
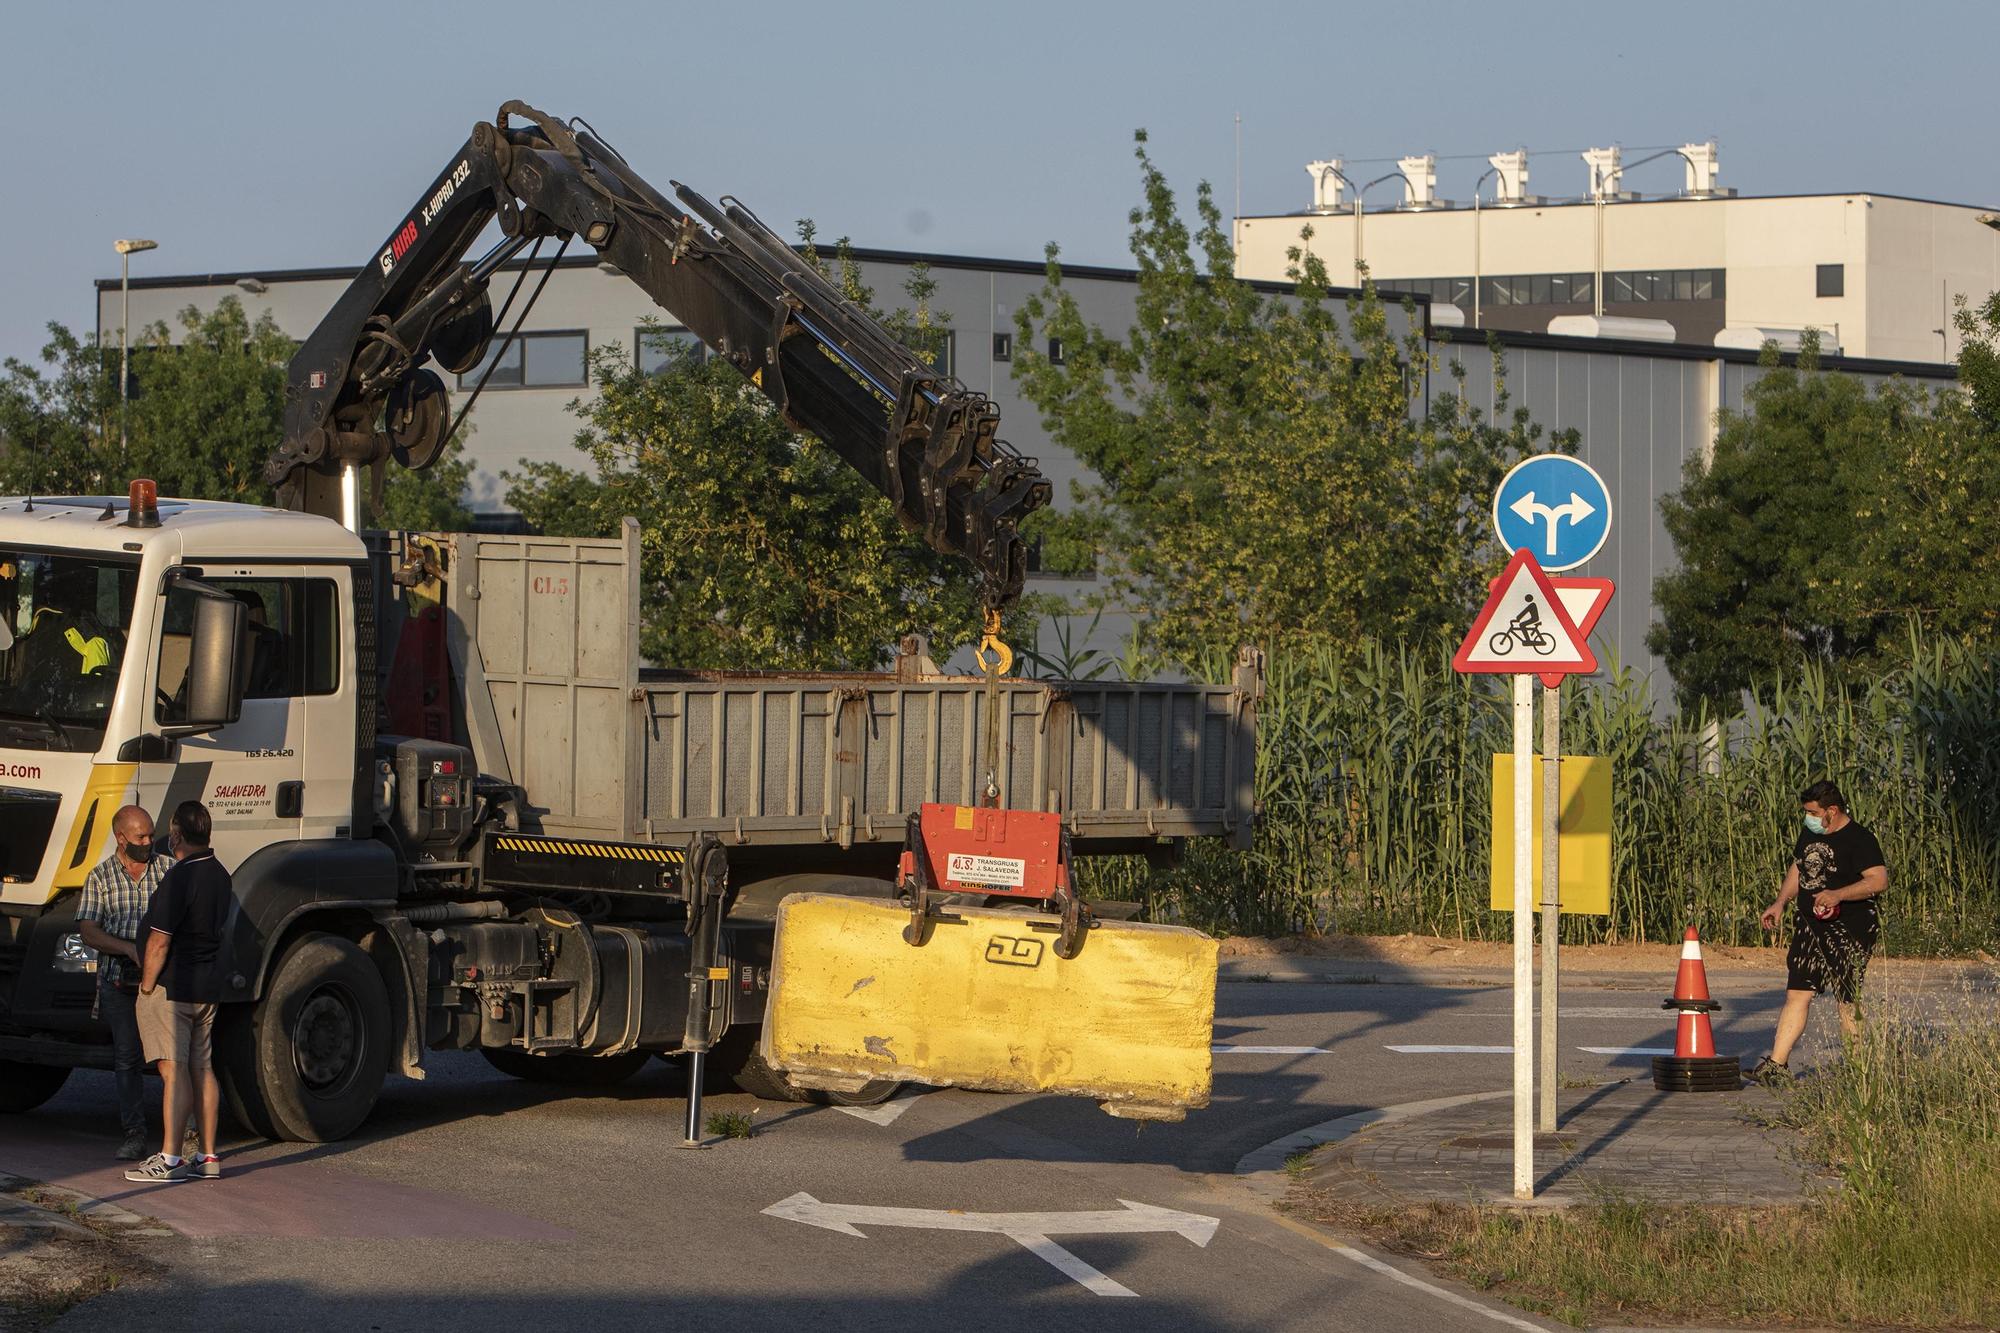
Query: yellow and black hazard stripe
{"type": "Point", "coordinates": [570, 863]}
{"type": "Point", "coordinates": [616, 851]}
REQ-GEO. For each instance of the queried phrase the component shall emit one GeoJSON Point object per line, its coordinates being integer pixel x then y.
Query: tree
{"type": "Point", "coordinates": [761, 548]}
{"type": "Point", "coordinates": [1829, 518]}
{"type": "Point", "coordinates": [1261, 472]}
{"type": "Point", "coordinates": [207, 409]}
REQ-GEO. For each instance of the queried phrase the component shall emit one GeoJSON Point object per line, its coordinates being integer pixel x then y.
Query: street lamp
{"type": "Point", "coordinates": [126, 249]}
{"type": "Point", "coordinates": [1477, 248]}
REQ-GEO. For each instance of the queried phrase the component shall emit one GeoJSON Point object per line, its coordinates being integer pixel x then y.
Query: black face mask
{"type": "Point", "coordinates": [141, 852]}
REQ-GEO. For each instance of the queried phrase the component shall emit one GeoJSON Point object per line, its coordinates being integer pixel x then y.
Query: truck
{"type": "Point", "coordinates": [460, 812]}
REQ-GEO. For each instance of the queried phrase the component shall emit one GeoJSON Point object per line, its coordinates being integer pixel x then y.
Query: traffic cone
{"type": "Point", "coordinates": [1694, 1066]}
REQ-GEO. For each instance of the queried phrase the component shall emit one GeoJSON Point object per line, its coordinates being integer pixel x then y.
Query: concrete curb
{"type": "Point", "coordinates": [1262, 1170]}
{"type": "Point", "coordinates": [97, 1210]}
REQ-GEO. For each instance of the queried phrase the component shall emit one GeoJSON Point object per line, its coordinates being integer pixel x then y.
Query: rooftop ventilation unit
{"type": "Point", "coordinates": [1421, 175]}
{"type": "Point", "coordinates": [1512, 171]}
{"type": "Point", "coordinates": [1328, 184]}
{"type": "Point", "coordinates": [1605, 169]}
{"type": "Point", "coordinates": [1702, 165]}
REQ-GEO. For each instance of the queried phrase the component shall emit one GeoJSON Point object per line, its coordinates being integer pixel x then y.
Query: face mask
{"type": "Point", "coordinates": [141, 852]}
{"type": "Point", "coordinates": [1814, 824]}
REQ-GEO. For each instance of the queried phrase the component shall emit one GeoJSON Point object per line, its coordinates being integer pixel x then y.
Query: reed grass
{"type": "Point", "coordinates": [1374, 793]}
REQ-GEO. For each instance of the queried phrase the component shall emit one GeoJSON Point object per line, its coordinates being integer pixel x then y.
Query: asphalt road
{"type": "Point", "coordinates": [471, 1199]}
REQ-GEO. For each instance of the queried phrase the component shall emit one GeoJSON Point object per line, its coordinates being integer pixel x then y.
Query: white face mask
{"type": "Point", "coordinates": [1814, 824]}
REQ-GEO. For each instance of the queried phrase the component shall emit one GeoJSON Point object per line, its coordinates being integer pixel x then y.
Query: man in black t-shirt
{"type": "Point", "coordinates": [179, 987]}
{"type": "Point", "coordinates": [1836, 872]}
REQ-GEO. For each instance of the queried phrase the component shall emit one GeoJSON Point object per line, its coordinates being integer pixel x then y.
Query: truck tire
{"type": "Point", "coordinates": [23, 1087]}
{"type": "Point", "coordinates": [738, 1057]}
{"type": "Point", "coordinates": [306, 1062]}
{"type": "Point", "coordinates": [568, 1068]}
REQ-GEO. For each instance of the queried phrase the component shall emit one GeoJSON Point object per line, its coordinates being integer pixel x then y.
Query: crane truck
{"type": "Point", "coordinates": [461, 814]}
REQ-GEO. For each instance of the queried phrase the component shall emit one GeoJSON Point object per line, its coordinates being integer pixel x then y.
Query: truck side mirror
{"type": "Point", "coordinates": [217, 666]}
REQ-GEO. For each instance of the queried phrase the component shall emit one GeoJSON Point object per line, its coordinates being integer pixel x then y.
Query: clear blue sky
{"type": "Point", "coordinates": [289, 135]}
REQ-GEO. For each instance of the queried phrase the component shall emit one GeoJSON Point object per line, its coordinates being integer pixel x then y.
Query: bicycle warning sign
{"type": "Point", "coordinates": [1524, 628]}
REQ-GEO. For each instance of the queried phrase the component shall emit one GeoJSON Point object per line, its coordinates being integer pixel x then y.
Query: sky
{"type": "Point", "coordinates": [273, 135]}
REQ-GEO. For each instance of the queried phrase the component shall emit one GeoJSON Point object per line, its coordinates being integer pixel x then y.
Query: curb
{"type": "Point", "coordinates": [97, 1210]}
{"type": "Point", "coordinates": [1262, 1170]}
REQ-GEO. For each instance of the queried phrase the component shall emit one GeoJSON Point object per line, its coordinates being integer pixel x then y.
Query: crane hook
{"type": "Point", "coordinates": [1001, 659]}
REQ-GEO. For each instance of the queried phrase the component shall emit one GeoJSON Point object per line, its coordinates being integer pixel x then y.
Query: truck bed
{"type": "Point", "coordinates": [543, 634]}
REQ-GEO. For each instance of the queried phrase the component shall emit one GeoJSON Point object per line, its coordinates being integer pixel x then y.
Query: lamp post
{"type": "Point", "coordinates": [126, 249]}
{"type": "Point", "coordinates": [1477, 247]}
{"type": "Point", "coordinates": [1598, 182]}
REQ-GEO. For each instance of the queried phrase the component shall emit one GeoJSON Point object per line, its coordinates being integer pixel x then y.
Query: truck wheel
{"type": "Point", "coordinates": [307, 1062]}
{"type": "Point", "coordinates": [738, 1057]}
{"type": "Point", "coordinates": [569, 1068]}
{"type": "Point", "coordinates": [23, 1087]}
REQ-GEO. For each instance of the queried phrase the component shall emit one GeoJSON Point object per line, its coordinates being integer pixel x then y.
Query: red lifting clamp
{"type": "Point", "coordinates": [987, 852]}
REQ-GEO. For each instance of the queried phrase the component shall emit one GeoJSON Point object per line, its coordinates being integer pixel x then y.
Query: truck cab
{"type": "Point", "coordinates": [153, 653]}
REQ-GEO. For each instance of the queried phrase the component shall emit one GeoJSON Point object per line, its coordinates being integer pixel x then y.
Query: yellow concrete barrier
{"type": "Point", "coordinates": [985, 1003]}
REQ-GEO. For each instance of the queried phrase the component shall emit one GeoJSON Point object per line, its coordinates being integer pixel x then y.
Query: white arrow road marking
{"type": "Point", "coordinates": [1575, 510]}
{"type": "Point", "coordinates": [1029, 1230]}
{"type": "Point", "coordinates": [887, 1112]}
{"type": "Point", "coordinates": [1222, 1049]}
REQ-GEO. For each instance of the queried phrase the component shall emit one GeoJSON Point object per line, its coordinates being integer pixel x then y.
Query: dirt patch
{"type": "Point", "coordinates": [1655, 959]}
{"type": "Point", "coordinates": [42, 1275]}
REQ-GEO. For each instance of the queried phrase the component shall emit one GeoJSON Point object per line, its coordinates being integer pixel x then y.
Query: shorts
{"type": "Point", "coordinates": [171, 1030]}
{"type": "Point", "coordinates": [1828, 958]}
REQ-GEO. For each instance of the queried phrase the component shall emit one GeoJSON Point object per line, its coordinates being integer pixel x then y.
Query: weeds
{"type": "Point", "coordinates": [730, 1124]}
{"type": "Point", "coordinates": [1299, 1163]}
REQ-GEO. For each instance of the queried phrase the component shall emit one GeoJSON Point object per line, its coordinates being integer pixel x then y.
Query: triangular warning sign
{"type": "Point", "coordinates": [1585, 599]}
{"type": "Point", "coordinates": [1524, 629]}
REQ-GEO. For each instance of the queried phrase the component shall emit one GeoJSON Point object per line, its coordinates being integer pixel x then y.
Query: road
{"type": "Point", "coordinates": [473, 1199]}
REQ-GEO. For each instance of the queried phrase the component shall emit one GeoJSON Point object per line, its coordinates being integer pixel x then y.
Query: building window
{"type": "Point", "coordinates": [1055, 351]}
{"type": "Point", "coordinates": [657, 348]}
{"type": "Point", "coordinates": [1003, 347]}
{"type": "Point", "coordinates": [534, 361]}
{"type": "Point", "coordinates": [1831, 280]}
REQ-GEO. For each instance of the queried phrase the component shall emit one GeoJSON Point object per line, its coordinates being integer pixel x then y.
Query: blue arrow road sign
{"type": "Point", "coordinates": [1556, 506]}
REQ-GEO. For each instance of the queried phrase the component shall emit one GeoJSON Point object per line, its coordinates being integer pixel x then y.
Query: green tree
{"type": "Point", "coordinates": [207, 410]}
{"type": "Point", "coordinates": [761, 548]}
{"type": "Point", "coordinates": [1828, 518]}
{"type": "Point", "coordinates": [1261, 469]}
{"type": "Point", "coordinates": [55, 418]}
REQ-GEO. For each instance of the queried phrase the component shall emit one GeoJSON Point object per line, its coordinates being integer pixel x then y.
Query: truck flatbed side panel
{"type": "Point", "coordinates": [985, 1003]}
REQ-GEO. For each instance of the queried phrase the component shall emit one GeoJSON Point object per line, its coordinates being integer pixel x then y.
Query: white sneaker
{"type": "Point", "coordinates": [156, 1170]}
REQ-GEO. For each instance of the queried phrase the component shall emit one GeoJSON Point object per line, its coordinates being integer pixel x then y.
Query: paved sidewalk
{"type": "Point", "coordinates": [1625, 1138]}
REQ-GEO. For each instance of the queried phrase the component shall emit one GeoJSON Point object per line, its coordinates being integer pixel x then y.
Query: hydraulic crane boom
{"type": "Point", "coordinates": [359, 392]}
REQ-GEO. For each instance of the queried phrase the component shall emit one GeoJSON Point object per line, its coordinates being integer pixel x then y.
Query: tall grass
{"type": "Point", "coordinates": [1374, 791]}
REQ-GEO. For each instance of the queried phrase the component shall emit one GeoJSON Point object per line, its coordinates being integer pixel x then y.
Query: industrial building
{"type": "Point", "coordinates": [1876, 274]}
{"type": "Point", "coordinates": [1643, 407]}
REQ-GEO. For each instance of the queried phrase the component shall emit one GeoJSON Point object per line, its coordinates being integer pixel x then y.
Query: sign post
{"type": "Point", "coordinates": [1555, 511]}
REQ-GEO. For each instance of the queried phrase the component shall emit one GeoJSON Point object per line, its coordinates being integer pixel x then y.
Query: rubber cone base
{"type": "Point", "coordinates": [1713, 1073]}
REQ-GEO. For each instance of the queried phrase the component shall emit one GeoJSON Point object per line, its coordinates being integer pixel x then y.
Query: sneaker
{"type": "Point", "coordinates": [158, 1171]}
{"type": "Point", "coordinates": [206, 1167]}
{"type": "Point", "coordinates": [133, 1149]}
{"type": "Point", "coordinates": [1770, 1072]}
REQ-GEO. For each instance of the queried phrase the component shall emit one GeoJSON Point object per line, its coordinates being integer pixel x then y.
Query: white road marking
{"type": "Point", "coordinates": [1582, 1012]}
{"type": "Point", "coordinates": [1029, 1230]}
{"type": "Point", "coordinates": [1222, 1049]}
{"type": "Point", "coordinates": [1509, 1050]}
{"type": "Point", "coordinates": [887, 1112]}
{"type": "Point", "coordinates": [1628, 1050]}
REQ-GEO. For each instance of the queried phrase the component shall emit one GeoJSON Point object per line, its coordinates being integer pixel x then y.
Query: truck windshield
{"type": "Point", "coordinates": [63, 621]}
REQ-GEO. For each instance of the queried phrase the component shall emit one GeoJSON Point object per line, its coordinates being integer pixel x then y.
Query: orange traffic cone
{"type": "Point", "coordinates": [1694, 1066]}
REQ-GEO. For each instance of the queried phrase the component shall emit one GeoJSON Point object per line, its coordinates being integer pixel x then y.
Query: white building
{"type": "Point", "coordinates": [1877, 274]}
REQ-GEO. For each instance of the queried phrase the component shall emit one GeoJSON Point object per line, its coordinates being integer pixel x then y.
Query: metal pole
{"type": "Point", "coordinates": [1357, 238]}
{"type": "Point", "coordinates": [1476, 265]}
{"type": "Point", "coordinates": [1524, 938]}
{"type": "Point", "coordinates": [124, 353]}
{"type": "Point", "coordinates": [1551, 898]}
{"type": "Point", "coordinates": [350, 497]}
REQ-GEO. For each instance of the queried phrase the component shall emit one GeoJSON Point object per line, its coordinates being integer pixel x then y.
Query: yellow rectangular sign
{"type": "Point", "coordinates": [1583, 835]}
{"type": "Point", "coordinates": [986, 1003]}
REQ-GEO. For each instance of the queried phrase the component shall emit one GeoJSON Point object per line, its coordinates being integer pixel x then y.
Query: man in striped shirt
{"type": "Point", "coordinates": [115, 897]}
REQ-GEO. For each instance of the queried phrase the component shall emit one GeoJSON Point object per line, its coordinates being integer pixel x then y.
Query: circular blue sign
{"type": "Point", "coordinates": [1555, 506]}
